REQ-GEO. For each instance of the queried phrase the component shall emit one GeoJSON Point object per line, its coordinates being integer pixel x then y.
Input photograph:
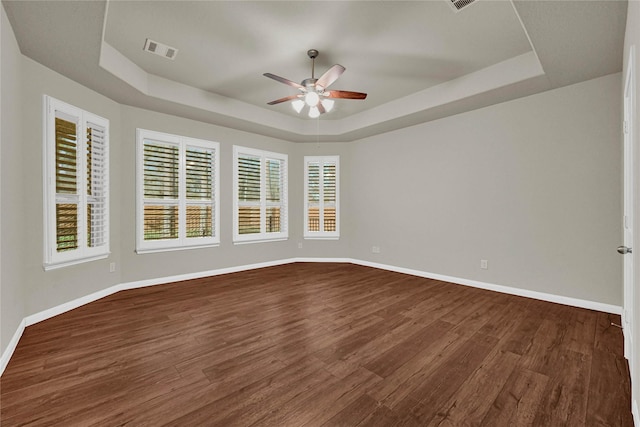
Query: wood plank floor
{"type": "Point", "coordinates": [318, 345]}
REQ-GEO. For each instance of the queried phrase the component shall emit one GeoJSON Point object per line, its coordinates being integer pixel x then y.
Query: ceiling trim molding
{"type": "Point", "coordinates": [505, 73]}
{"type": "Point", "coordinates": [405, 110]}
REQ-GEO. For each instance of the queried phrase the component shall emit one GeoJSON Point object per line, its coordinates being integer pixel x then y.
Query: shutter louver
{"type": "Point", "coordinates": [200, 172]}
{"type": "Point", "coordinates": [249, 195]}
{"type": "Point", "coordinates": [66, 227]}
{"type": "Point", "coordinates": [329, 190]}
{"type": "Point", "coordinates": [161, 190]}
{"type": "Point", "coordinates": [96, 186]}
{"type": "Point", "coordinates": [313, 197]}
{"type": "Point", "coordinates": [66, 185]}
{"type": "Point", "coordinates": [66, 157]}
{"type": "Point", "coordinates": [161, 171]}
{"type": "Point", "coordinates": [274, 188]}
{"type": "Point", "coordinates": [321, 197]}
{"type": "Point", "coordinates": [160, 222]}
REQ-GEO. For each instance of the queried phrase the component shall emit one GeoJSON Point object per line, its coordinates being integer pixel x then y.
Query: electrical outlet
{"type": "Point", "coordinates": [112, 267]}
{"type": "Point", "coordinates": [484, 264]}
{"type": "Point", "coordinates": [299, 245]}
{"type": "Point", "coordinates": [375, 249]}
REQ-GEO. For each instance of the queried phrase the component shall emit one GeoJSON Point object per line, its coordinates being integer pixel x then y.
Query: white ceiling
{"type": "Point", "coordinates": [417, 60]}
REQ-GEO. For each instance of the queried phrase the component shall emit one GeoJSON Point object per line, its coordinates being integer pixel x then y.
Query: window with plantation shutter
{"type": "Point", "coordinates": [177, 192]}
{"type": "Point", "coordinates": [260, 195]}
{"type": "Point", "coordinates": [76, 185]}
{"type": "Point", "coordinates": [321, 201]}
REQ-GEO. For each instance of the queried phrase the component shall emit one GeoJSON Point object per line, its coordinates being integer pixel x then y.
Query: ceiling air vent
{"type": "Point", "coordinates": [160, 49]}
{"type": "Point", "coordinates": [458, 5]}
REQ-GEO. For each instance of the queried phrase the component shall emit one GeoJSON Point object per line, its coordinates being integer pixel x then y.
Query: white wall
{"type": "Point", "coordinates": [531, 185]}
{"type": "Point", "coordinates": [632, 39]}
{"type": "Point", "coordinates": [12, 224]}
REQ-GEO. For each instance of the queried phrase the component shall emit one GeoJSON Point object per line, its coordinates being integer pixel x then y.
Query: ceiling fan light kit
{"type": "Point", "coordinates": [313, 93]}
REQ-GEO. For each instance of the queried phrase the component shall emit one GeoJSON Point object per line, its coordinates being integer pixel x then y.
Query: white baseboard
{"type": "Point", "coordinates": [6, 355]}
{"type": "Point", "coordinates": [63, 308]}
{"type": "Point", "coordinates": [575, 302]}
{"type": "Point", "coordinates": [201, 274]}
{"type": "Point", "coordinates": [78, 302]}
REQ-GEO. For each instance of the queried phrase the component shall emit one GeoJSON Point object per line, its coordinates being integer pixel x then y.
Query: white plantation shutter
{"type": "Point", "coordinates": [313, 196]}
{"type": "Point", "coordinates": [161, 190]}
{"type": "Point", "coordinates": [274, 205]}
{"type": "Point", "coordinates": [96, 186]}
{"type": "Point", "coordinates": [329, 186]}
{"type": "Point", "coordinates": [76, 165]}
{"type": "Point", "coordinates": [177, 192]}
{"type": "Point", "coordinates": [321, 201]}
{"type": "Point", "coordinates": [260, 195]}
{"type": "Point", "coordinates": [66, 172]}
{"type": "Point", "coordinates": [249, 194]}
{"type": "Point", "coordinates": [200, 192]}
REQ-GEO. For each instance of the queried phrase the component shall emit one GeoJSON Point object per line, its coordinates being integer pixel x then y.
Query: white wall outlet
{"type": "Point", "coordinates": [299, 245]}
{"type": "Point", "coordinates": [375, 249]}
{"type": "Point", "coordinates": [484, 264]}
{"type": "Point", "coordinates": [112, 267]}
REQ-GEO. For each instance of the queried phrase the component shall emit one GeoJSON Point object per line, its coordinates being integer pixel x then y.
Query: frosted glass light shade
{"type": "Point", "coordinates": [311, 99]}
{"type": "Point", "coordinates": [328, 104]}
{"type": "Point", "coordinates": [314, 112]}
{"type": "Point", "coordinates": [297, 105]}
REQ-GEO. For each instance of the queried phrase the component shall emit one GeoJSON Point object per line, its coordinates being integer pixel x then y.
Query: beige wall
{"type": "Point", "coordinates": [46, 289]}
{"type": "Point", "coordinates": [156, 265]}
{"type": "Point", "coordinates": [531, 185]}
{"type": "Point", "coordinates": [321, 248]}
{"type": "Point", "coordinates": [12, 224]}
{"type": "Point", "coordinates": [632, 38]}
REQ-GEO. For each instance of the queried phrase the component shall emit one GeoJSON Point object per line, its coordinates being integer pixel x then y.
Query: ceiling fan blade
{"type": "Point", "coordinates": [330, 76]}
{"type": "Point", "coordinates": [285, 99]}
{"type": "Point", "coordinates": [345, 94]}
{"type": "Point", "coordinates": [283, 80]}
{"type": "Point", "coordinates": [321, 108]}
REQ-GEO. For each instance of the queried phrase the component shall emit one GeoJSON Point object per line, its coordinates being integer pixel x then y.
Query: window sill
{"type": "Point", "coordinates": [55, 266]}
{"type": "Point", "coordinates": [248, 242]}
{"type": "Point", "coordinates": [321, 237]}
{"type": "Point", "coordinates": [175, 248]}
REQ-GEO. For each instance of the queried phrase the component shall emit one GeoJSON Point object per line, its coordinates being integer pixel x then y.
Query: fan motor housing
{"type": "Point", "coordinates": [309, 83]}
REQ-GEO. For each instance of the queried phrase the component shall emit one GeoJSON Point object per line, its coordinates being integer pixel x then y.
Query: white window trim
{"type": "Point", "coordinates": [321, 235]}
{"type": "Point", "coordinates": [262, 236]}
{"type": "Point", "coordinates": [52, 258]}
{"type": "Point", "coordinates": [182, 242]}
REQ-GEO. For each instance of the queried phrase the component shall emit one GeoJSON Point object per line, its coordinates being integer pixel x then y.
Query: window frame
{"type": "Point", "coordinates": [263, 236]}
{"type": "Point", "coordinates": [54, 259]}
{"type": "Point", "coordinates": [182, 242]}
{"type": "Point", "coordinates": [322, 234]}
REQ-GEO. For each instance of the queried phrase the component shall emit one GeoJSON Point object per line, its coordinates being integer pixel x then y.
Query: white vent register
{"type": "Point", "coordinates": [160, 49]}
{"type": "Point", "coordinates": [458, 5]}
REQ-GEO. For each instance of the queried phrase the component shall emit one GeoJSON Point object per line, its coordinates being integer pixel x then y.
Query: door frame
{"type": "Point", "coordinates": [629, 200]}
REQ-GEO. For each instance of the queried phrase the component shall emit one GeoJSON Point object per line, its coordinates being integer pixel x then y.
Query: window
{"type": "Point", "coordinates": [321, 196]}
{"type": "Point", "coordinates": [76, 182]}
{"type": "Point", "coordinates": [260, 195]}
{"type": "Point", "coordinates": [177, 192]}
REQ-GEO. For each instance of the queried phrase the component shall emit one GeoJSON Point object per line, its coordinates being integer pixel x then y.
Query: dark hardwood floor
{"type": "Point", "coordinates": [318, 345]}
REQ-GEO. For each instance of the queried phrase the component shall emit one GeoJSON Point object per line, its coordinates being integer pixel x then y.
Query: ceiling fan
{"type": "Point", "coordinates": [313, 92]}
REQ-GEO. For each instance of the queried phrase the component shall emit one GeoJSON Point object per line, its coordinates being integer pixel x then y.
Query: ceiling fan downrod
{"type": "Point", "coordinates": [313, 54]}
